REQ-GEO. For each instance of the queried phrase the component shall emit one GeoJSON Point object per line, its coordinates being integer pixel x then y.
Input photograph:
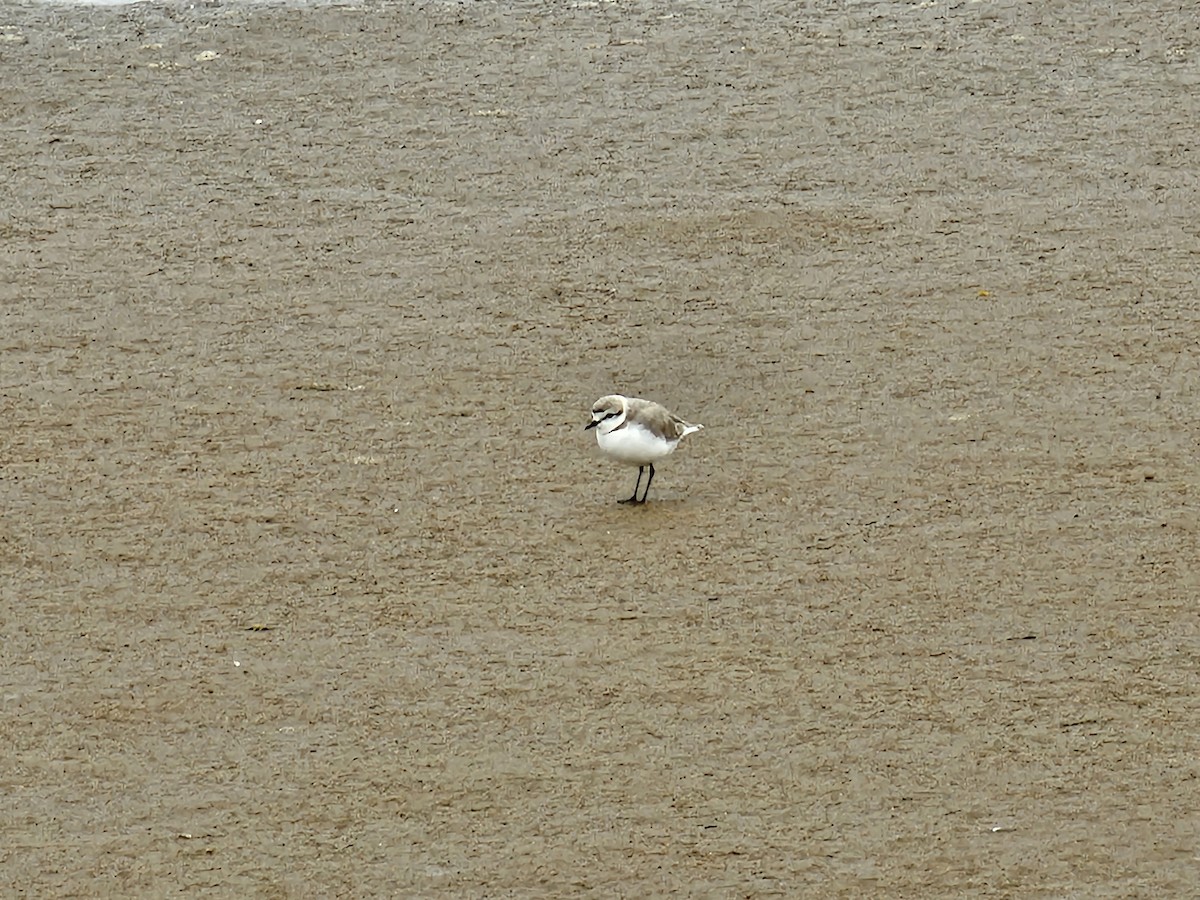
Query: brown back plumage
{"type": "Point", "coordinates": [656, 418]}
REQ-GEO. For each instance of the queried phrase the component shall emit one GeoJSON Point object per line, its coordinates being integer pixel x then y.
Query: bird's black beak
{"type": "Point", "coordinates": [590, 425]}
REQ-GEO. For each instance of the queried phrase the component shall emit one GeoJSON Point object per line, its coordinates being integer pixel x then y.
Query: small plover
{"type": "Point", "coordinates": [638, 433]}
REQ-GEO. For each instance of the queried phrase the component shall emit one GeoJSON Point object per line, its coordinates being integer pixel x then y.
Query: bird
{"type": "Point", "coordinates": [638, 433]}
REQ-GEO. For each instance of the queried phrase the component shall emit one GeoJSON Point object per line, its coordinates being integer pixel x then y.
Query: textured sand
{"type": "Point", "coordinates": [313, 585]}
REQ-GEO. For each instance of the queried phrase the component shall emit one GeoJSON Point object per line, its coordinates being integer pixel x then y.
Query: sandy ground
{"type": "Point", "coordinates": [314, 586]}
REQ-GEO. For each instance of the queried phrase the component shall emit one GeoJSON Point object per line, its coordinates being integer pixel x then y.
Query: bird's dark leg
{"type": "Point", "coordinates": [646, 493]}
{"type": "Point", "coordinates": [634, 498]}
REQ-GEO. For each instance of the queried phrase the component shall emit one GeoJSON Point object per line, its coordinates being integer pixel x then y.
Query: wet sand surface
{"type": "Point", "coordinates": [313, 585]}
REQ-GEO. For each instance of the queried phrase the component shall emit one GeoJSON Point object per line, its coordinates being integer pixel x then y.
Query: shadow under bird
{"type": "Point", "coordinates": [638, 433]}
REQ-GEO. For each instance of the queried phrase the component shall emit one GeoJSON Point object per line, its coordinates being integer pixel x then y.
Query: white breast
{"type": "Point", "coordinates": [634, 444]}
